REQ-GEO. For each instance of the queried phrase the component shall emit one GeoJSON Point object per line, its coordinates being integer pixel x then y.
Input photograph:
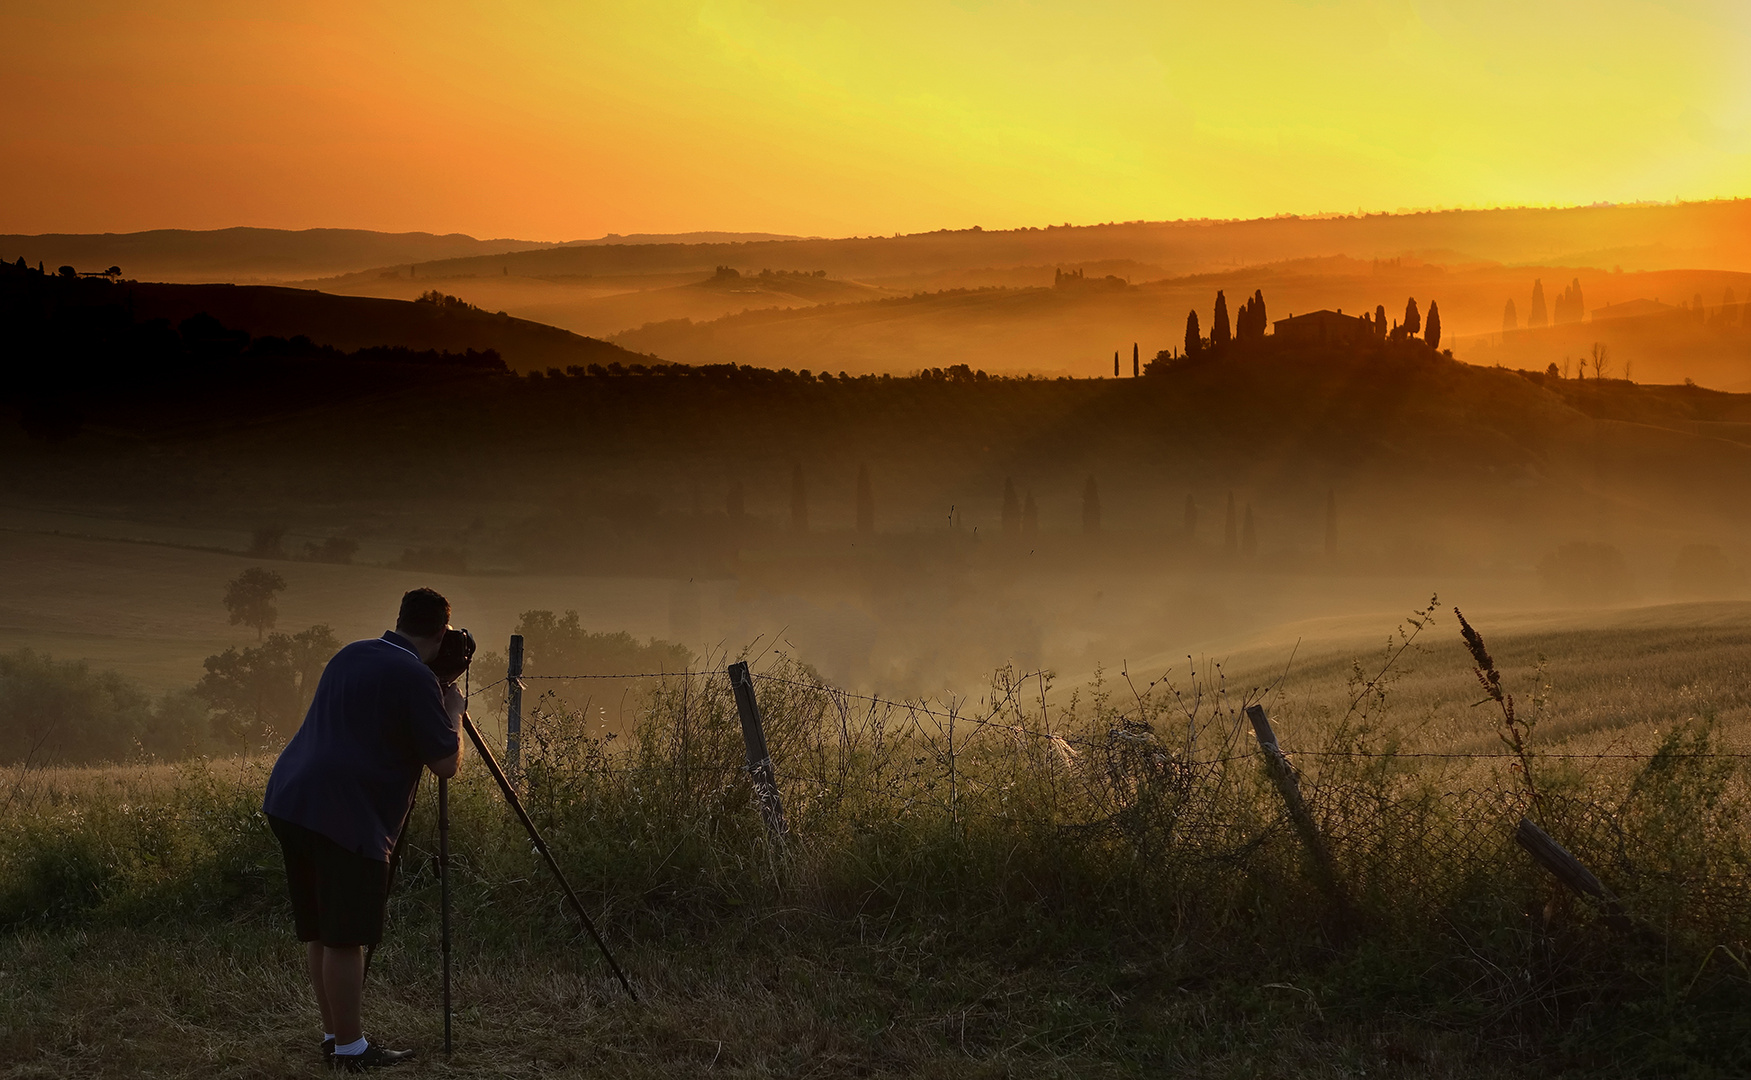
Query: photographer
{"type": "Point", "coordinates": [340, 794]}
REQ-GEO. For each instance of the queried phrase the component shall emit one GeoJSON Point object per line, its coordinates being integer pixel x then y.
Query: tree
{"type": "Point", "coordinates": [1137, 365]}
{"type": "Point", "coordinates": [1230, 529]}
{"type": "Point", "coordinates": [1090, 507]}
{"type": "Point", "coordinates": [1432, 330]}
{"type": "Point", "coordinates": [1537, 316]}
{"type": "Point", "coordinates": [1011, 508]}
{"type": "Point", "coordinates": [1510, 318]}
{"type": "Point", "coordinates": [799, 501]}
{"type": "Point", "coordinates": [1115, 363]}
{"type": "Point", "coordinates": [258, 695]}
{"type": "Point", "coordinates": [865, 502]}
{"type": "Point", "coordinates": [1380, 320]}
{"type": "Point", "coordinates": [1249, 537]}
{"type": "Point", "coordinates": [1553, 372]}
{"type": "Point", "coordinates": [1219, 332]}
{"type": "Point", "coordinates": [1331, 521]}
{"type": "Point", "coordinates": [1601, 361]}
{"type": "Point", "coordinates": [1413, 322]}
{"type": "Point", "coordinates": [250, 599]}
{"type": "Point", "coordinates": [1030, 516]}
{"type": "Point", "coordinates": [1191, 517]}
{"type": "Point", "coordinates": [1194, 343]}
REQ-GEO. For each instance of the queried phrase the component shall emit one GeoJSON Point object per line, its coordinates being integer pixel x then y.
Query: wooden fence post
{"type": "Point", "coordinates": [1277, 765]}
{"type": "Point", "coordinates": [1569, 870]}
{"type": "Point", "coordinates": [514, 705]}
{"type": "Point", "coordinates": [759, 758]}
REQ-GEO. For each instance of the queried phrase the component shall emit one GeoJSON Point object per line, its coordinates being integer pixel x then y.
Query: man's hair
{"type": "Point", "coordinates": [424, 612]}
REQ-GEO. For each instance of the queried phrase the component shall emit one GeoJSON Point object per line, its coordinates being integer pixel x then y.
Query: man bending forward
{"type": "Point", "coordinates": [339, 795]}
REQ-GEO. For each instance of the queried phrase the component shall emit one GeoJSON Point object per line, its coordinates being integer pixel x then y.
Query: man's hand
{"type": "Point", "coordinates": [455, 705]}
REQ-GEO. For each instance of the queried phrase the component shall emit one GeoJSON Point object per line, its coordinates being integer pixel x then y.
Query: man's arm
{"type": "Point", "coordinates": [454, 705]}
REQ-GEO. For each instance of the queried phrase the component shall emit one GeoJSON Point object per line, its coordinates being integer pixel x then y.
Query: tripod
{"type": "Point", "coordinates": [516, 804]}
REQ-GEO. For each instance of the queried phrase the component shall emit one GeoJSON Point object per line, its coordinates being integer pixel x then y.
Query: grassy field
{"type": "Point", "coordinates": [1079, 892]}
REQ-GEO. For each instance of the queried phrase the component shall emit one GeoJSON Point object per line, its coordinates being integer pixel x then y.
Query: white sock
{"type": "Point", "coordinates": [351, 1048]}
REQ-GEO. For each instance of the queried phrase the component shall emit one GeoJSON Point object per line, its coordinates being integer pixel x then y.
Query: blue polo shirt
{"type": "Point", "coordinates": [350, 771]}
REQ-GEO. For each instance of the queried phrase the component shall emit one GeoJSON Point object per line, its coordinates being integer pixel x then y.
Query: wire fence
{"type": "Point", "coordinates": [1178, 778]}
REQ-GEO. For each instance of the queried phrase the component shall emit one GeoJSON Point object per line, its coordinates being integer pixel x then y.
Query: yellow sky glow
{"type": "Point", "coordinates": [560, 121]}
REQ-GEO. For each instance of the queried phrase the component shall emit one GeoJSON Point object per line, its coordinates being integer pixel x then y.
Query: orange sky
{"type": "Point", "coordinates": [559, 121]}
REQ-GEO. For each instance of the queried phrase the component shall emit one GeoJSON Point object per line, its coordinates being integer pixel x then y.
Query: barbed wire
{"type": "Point", "coordinates": [1081, 743]}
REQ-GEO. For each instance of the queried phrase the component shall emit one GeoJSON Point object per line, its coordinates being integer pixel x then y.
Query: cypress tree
{"type": "Point", "coordinates": [1249, 538]}
{"type": "Point", "coordinates": [1091, 507]}
{"type": "Point", "coordinates": [1030, 516]}
{"type": "Point", "coordinates": [799, 501]}
{"type": "Point", "coordinates": [1191, 517]}
{"type": "Point", "coordinates": [1413, 321]}
{"type": "Point", "coordinates": [1230, 533]}
{"type": "Point", "coordinates": [1011, 507]}
{"type": "Point", "coordinates": [1115, 363]}
{"type": "Point", "coordinates": [1380, 320]}
{"type": "Point", "coordinates": [1432, 329]}
{"type": "Point", "coordinates": [1510, 317]}
{"type": "Point", "coordinates": [1136, 361]}
{"type": "Point", "coordinates": [1193, 341]}
{"type": "Point", "coordinates": [865, 502]}
{"type": "Point", "coordinates": [1537, 316]}
{"type": "Point", "coordinates": [1219, 332]}
{"type": "Point", "coordinates": [1331, 523]}
{"type": "Point", "coordinates": [1261, 323]}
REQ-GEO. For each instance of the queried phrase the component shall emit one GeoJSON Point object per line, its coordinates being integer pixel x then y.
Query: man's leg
{"type": "Point", "coordinates": [343, 990]}
{"type": "Point", "coordinates": [313, 961]}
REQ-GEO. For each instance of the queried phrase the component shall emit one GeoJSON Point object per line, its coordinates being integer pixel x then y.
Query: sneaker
{"type": "Point", "coordinates": [328, 1048]}
{"type": "Point", "coordinates": [374, 1057]}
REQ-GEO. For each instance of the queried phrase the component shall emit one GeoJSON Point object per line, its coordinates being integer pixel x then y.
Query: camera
{"type": "Point", "coordinates": [453, 656]}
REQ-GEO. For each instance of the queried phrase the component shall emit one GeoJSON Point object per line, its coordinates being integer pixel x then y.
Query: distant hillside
{"type": "Point", "coordinates": [81, 338]}
{"type": "Point", "coordinates": [244, 254]}
{"type": "Point", "coordinates": [1076, 330]}
{"type": "Point", "coordinates": [1713, 235]}
{"type": "Point", "coordinates": [351, 322]}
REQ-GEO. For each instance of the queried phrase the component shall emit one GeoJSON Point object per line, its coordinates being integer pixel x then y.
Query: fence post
{"type": "Point", "coordinates": [1569, 870]}
{"type": "Point", "coordinates": [514, 704]}
{"type": "Point", "coordinates": [759, 759]}
{"type": "Point", "coordinates": [1284, 777]}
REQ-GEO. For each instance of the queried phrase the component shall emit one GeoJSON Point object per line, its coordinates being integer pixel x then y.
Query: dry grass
{"type": "Point", "coordinates": [1105, 887]}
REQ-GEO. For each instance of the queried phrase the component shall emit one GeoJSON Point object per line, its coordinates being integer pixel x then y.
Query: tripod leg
{"type": "Point", "coordinates": [444, 894]}
{"type": "Point", "coordinates": [510, 794]}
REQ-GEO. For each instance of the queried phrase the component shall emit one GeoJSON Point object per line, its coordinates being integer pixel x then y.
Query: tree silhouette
{"type": "Point", "coordinates": [1380, 320]}
{"type": "Point", "coordinates": [1115, 363]}
{"type": "Point", "coordinates": [1090, 507]}
{"type": "Point", "coordinates": [1432, 330]}
{"type": "Point", "coordinates": [1413, 322]}
{"type": "Point", "coordinates": [799, 501]}
{"type": "Point", "coordinates": [1510, 317]}
{"type": "Point", "coordinates": [1193, 341]}
{"type": "Point", "coordinates": [1191, 517]}
{"type": "Point", "coordinates": [865, 502]}
{"type": "Point", "coordinates": [1331, 517]}
{"type": "Point", "coordinates": [1249, 537]}
{"type": "Point", "coordinates": [1030, 516]}
{"type": "Point", "coordinates": [249, 598]}
{"type": "Point", "coordinates": [1136, 360]}
{"type": "Point", "coordinates": [1219, 332]}
{"type": "Point", "coordinates": [1011, 507]}
{"type": "Point", "coordinates": [1537, 316]}
{"type": "Point", "coordinates": [1230, 529]}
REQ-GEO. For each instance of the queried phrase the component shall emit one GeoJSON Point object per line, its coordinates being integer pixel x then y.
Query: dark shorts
{"type": "Point", "coordinates": [337, 895]}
